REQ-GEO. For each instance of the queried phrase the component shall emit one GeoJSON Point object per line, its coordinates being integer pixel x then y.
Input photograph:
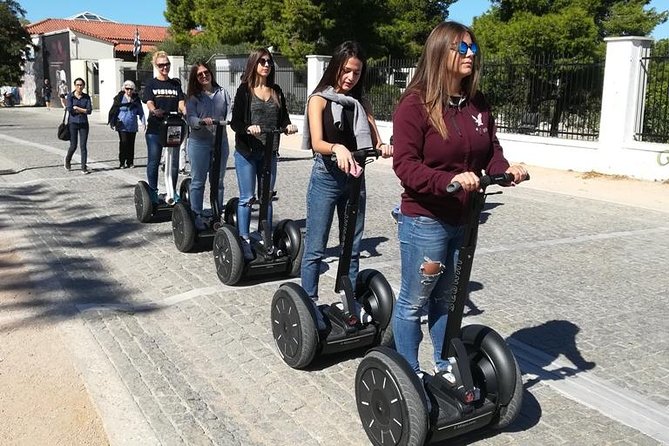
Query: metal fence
{"type": "Point", "coordinates": [652, 119]}
{"type": "Point", "coordinates": [385, 82]}
{"type": "Point", "coordinates": [548, 96]}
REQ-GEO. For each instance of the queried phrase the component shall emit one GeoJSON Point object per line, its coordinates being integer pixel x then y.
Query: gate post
{"type": "Point", "coordinates": [622, 97]}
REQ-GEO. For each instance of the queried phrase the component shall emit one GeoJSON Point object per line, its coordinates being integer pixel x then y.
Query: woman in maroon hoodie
{"type": "Point", "coordinates": [443, 132]}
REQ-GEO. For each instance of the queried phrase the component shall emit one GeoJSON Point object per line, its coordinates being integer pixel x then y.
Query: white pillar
{"type": "Point", "coordinates": [621, 97]}
{"type": "Point", "coordinates": [315, 68]}
{"type": "Point", "coordinates": [110, 84]}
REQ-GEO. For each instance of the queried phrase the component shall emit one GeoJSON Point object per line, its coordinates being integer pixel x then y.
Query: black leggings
{"type": "Point", "coordinates": [126, 148]}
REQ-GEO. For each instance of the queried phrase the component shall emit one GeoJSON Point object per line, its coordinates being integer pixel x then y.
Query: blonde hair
{"type": "Point", "coordinates": [430, 82]}
{"type": "Point", "coordinates": [157, 55]}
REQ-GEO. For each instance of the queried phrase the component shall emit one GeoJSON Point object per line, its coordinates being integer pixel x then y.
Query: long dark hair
{"type": "Point", "coordinates": [250, 75]}
{"type": "Point", "coordinates": [431, 76]}
{"type": "Point", "coordinates": [194, 87]}
{"type": "Point", "coordinates": [341, 55]}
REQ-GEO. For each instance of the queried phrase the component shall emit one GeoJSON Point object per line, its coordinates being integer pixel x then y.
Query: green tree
{"type": "Point", "coordinates": [295, 28]}
{"type": "Point", "coordinates": [14, 42]}
{"type": "Point", "coordinates": [520, 32]}
{"type": "Point", "coordinates": [407, 23]}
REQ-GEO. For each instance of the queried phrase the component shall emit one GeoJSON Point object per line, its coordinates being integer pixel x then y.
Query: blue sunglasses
{"type": "Point", "coordinates": [463, 47]}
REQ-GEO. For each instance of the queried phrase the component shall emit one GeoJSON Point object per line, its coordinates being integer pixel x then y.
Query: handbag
{"type": "Point", "coordinates": [64, 129]}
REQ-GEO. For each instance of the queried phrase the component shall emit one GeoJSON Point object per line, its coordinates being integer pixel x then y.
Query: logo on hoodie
{"type": "Point", "coordinates": [478, 120]}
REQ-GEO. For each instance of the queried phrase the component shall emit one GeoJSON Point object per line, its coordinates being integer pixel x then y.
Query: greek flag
{"type": "Point", "coordinates": [137, 44]}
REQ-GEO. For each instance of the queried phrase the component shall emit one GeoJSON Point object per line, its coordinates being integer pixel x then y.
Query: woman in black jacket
{"type": "Point", "coordinates": [259, 104]}
{"type": "Point", "coordinates": [123, 117]}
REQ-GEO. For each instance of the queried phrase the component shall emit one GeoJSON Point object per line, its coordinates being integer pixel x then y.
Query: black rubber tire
{"type": "Point", "coordinates": [231, 211]}
{"type": "Point", "coordinates": [228, 255]}
{"type": "Point", "coordinates": [294, 325]}
{"type": "Point", "coordinates": [376, 295]}
{"type": "Point", "coordinates": [143, 204]}
{"type": "Point", "coordinates": [288, 238]}
{"type": "Point", "coordinates": [183, 227]}
{"type": "Point", "coordinates": [508, 413]}
{"type": "Point", "coordinates": [184, 190]}
{"type": "Point", "coordinates": [391, 401]}
{"type": "Point", "coordinates": [495, 371]}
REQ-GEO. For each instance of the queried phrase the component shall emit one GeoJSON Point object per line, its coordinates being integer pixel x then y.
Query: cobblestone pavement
{"type": "Point", "coordinates": [171, 356]}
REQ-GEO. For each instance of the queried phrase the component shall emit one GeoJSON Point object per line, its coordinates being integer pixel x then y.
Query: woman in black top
{"type": "Point", "coordinates": [259, 104]}
{"type": "Point", "coordinates": [339, 122]}
{"type": "Point", "coordinates": [162, 95]}
{"type": "Point", "coordinates": [79, 106]}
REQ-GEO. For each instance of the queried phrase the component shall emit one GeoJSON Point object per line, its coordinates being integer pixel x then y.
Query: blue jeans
{"type": "Point", "coordinates": [154, 152]}
{"type": "Point", "coordinates": [249, 169]}
{"type": "Point", "coordinates": [424, 239]}
{"type": "Point", "coordinates": [78, 134]}
{"type": "Point", "coordinates": [328, 189]}
{"type": "Point", "coordinates": [200, 154]}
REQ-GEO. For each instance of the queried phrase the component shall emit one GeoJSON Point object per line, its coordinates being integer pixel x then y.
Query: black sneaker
{"type": "Point", "coordinates": [66, 164]}
{"type": "Point", "coordinates": [85, 171]}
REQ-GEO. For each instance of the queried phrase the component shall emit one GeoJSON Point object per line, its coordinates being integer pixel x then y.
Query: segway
{"type": "Point", "coordinates": [275, 253]}
{"type": "Point", "coordinates": [293, 317]}
{"type": "Point", "coordinates": [183, 219]}
{"type": "Point", "coordinates": [482, 390]}
{"type": "Point", "coordinates": [172, 133]}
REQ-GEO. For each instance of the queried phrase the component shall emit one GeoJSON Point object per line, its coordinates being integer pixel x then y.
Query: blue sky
{"type": "Point", "coordinates": [150, 12]}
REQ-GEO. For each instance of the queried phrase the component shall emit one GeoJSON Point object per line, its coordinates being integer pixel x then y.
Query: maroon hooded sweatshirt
{"type": "Point", "coordinates": [425, 163]}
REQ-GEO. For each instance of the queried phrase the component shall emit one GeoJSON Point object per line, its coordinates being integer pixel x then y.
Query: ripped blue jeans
{"type": "Point", "coordinates": [425, 244]}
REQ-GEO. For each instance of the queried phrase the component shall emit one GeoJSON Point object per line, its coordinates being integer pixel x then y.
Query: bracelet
{"type": "Point", "coordinates": [332, 148]}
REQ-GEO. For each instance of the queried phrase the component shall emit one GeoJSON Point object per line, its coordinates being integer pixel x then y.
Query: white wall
{"type": "Point", "coordinates": [90, 48]}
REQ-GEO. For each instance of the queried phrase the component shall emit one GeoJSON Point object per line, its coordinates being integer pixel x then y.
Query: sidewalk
{"type": "Point", "coordinates": [569, 270]}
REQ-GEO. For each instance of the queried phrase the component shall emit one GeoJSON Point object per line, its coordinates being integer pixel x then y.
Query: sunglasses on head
{"type": "Point", "coordinates": [462, 48]}
{"type": "Point", "coordinates": [164, 65]}
{"type": "Point", "coordinates": [265, 62]}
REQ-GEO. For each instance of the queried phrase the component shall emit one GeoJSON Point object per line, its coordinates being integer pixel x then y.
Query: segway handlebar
{"type": "Point", "coordinates": [486, 180]}
{"type": "Point", "coordinates": [369, 152]}
{"type": "Point", "coordinates": [214, 122]}
{"type": "Point", "coordinates": [274, 130]}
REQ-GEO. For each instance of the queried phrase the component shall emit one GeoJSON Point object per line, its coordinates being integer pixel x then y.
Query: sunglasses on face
{"type": "Point", "coordinates": [462, 48]}
{"type": "Point", "coordinates": [203, 74]}
{"type": "Point", "coordinates": [129, 89]}
{"type": "Point", "coordinates": [265, 62]}
{"type": "Point", "coordinates": [164, 65]}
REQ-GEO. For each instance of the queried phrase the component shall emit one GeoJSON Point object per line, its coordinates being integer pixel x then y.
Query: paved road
{"type": "Point", "coordinates": [171, 356]}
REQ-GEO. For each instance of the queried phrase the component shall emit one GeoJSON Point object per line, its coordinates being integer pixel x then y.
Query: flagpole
{"type": "Point", "coordinates": [137, 48]}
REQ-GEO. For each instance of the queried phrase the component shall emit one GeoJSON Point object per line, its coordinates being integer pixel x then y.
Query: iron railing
{"type": "Point", "coordinates": [547, 96]}
{"type": "Point", "coordinates": [652, 118]}
{"type": "Point", "coordinates": [384, 84]}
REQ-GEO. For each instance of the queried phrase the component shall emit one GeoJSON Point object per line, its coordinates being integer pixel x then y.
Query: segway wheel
{"type": "Point", "coordinates": [288, 238]}
{"type": "Point", "coordinates": [143, 204]}
{"type": "Point", "coordinates": [184, 190]}
{"type": "Point", "coordinates": [391, 401]}
{"type": "Point", "coordinates": [495, 371]}
{"type": "Point", "coordinates": [294, 325]}
{"type": "Point", "coordinates": [183, 227]}
{"type": "Point", "coordinates": [228, 255]}
{"type": "Point", "coordinates": [376, 295]}
{"type": "Point", "coordinates": [231, 211]}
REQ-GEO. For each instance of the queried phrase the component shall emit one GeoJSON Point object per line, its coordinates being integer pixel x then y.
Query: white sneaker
{"type": "Point", "coordinates": [361, 313]}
